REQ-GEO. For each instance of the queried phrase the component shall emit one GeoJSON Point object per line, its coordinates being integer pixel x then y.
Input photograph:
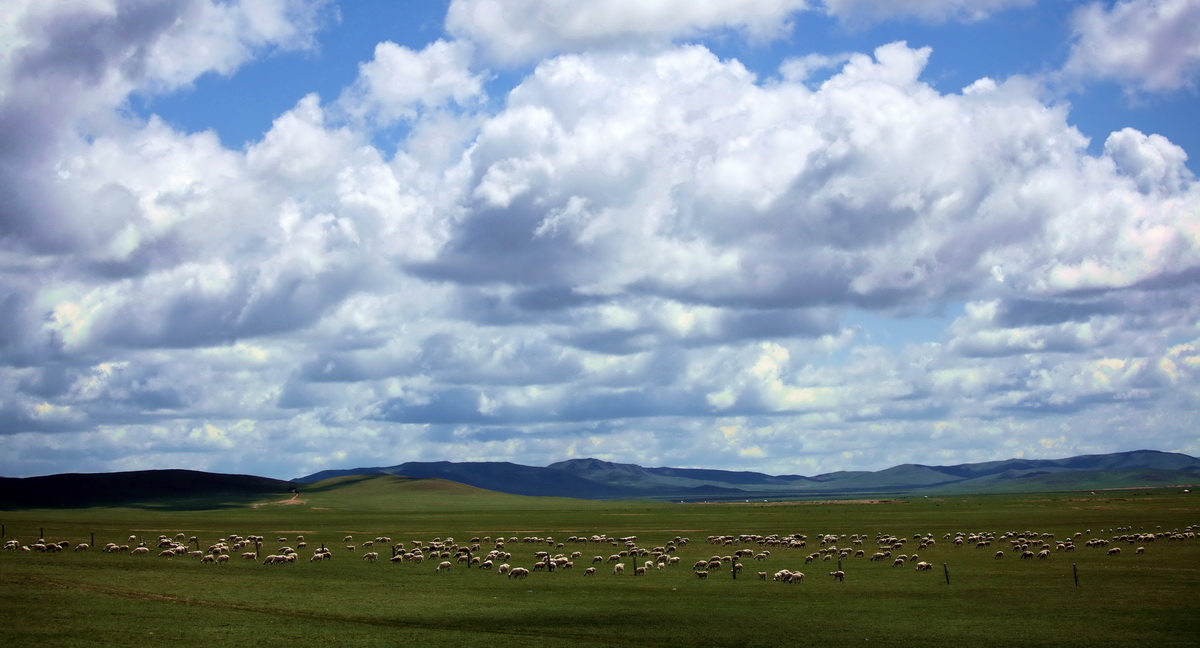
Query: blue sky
{"type": "Point", "coordinates": [790, 236]}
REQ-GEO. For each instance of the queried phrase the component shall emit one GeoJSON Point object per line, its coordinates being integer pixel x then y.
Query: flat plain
{"type": "Point", "coordinates": [1085, 596]}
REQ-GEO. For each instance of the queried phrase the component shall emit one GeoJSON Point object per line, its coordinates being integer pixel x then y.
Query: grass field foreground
{"type": "Point", "coordinates": [93, 598]}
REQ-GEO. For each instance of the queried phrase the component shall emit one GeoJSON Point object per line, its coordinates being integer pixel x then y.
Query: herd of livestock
{"type": "Point", "coordinates": [618, 555]}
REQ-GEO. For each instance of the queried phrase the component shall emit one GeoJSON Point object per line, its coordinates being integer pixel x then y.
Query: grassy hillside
{"type": "Point", "coordinates": [148, 488]}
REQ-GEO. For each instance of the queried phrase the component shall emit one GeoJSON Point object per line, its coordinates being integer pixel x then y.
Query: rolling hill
{"type": "Point", "coordinates": [176, 489]}
{"type": "Point", "coordinates": [597, 479]}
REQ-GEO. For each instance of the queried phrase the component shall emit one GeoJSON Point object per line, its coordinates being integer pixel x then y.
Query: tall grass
{"type": "Point", "coordinates": [93, 598]}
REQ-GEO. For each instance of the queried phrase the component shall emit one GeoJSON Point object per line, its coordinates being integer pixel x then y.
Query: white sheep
{"type": "Point", "coordinates": [838, 575]}
{"type": "Point", "coordinates": [619, 568]}
{"type": "Point", "coordinates": [518, 572]}
{"type": "Point", "coordinates": [924, 566]}
{"type": "Point", "coordinates": [702, 574]}
{"type": "Point", "coordinates": [590, 571]}
{"type": "Point", "coordinates": [371, 556]}
{"type": "Point", "coordinates": [443, 566]}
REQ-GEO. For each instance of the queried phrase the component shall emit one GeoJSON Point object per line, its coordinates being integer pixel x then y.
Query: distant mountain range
{"type": "Point", "coordinates": [596, 479]}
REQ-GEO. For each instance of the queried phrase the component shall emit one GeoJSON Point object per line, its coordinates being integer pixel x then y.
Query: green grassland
{"type": "Point", "coordinates": [93, 598]}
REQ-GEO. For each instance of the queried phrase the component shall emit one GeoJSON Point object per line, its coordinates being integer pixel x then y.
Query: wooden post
{"type": "Point", "coordinates": [1075, 571]}
{"type": "Point", "coordinates": [2, 533]}
{"type": "Point", "coordinates": [946, 568]}
{"type": "Point", "coordinates": [93, 545]}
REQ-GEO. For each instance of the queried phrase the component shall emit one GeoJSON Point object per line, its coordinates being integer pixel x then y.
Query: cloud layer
{"type": "Point", "coordinates": [639, 250]}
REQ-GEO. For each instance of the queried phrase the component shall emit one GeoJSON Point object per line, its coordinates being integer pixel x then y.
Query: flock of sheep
{"type": "Point", "coordinates": [620, 555]}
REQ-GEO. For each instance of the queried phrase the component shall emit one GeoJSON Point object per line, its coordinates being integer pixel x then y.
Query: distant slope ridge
{"type": "Point", "coordinates": [599, 479]}
{"type": "Point", "coordinates": [148, 488]}
{"type": "Point", "coordinates": [591, 478]}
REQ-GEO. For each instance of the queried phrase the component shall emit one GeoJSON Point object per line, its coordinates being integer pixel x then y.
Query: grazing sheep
{"type": "Point", "coordinates": [222, 559]}
{"type": "Point", "coordinates": [618, 568]}
{"type": "Point", "coordinates": [443, 566]}
{"type": "Point", "coordinates": [639, 571]}
{"type": "Point", "coordinates": [796, 577]}
{"type": "Point", "coordinates": [838, 575]}
{"type": "Point", "coordinates": [999, 555]}
{"type": "Point", "coordinates": [371, 556]}
{"type": "Point", "coordinates": [1114, 551]}
{"type": "Point", "coordinates": [1138, 550]}
{"type": "Point", "coordinates": [518, 572]}
{"type": "Point", "coordinates": [702, 574]}
{"type": "Point", "coordinates": [590, 571]}
{"type": "Point", "coordinates": [924, 566]}
{"type": "Point", "coordinates": [762, 576]}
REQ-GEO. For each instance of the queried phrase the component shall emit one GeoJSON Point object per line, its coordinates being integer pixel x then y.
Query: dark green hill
{"type": "Point", "coordinates": [176, 489]}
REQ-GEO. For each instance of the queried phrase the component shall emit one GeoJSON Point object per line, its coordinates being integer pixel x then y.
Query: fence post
{"type": "Point", "coordinates": [1075, 571]}
{"type": "Point", "coordinates": [946, 569]}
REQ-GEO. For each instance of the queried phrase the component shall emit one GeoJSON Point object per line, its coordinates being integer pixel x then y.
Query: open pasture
{"type": "Point", "coordinates": [92, 597]}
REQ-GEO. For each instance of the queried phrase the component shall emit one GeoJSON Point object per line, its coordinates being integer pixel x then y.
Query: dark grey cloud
{"type": "Point", "coordinates": [1033, 312]}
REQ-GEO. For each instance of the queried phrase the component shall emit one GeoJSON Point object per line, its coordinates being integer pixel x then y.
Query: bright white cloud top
{"type": "Point", "coordinates": [783, 236]}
